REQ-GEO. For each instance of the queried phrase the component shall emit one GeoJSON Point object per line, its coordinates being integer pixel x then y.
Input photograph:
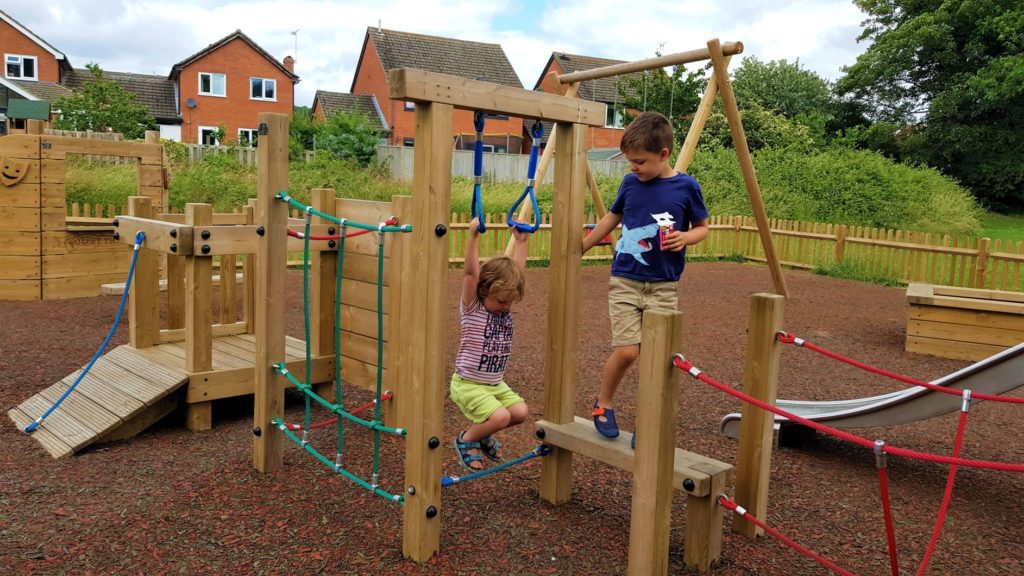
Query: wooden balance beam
{"type": "Point", "coordinates": [701, 478]}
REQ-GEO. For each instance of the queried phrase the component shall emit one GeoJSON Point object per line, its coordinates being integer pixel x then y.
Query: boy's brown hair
{"type": "Point", "coordinates": [502, 278]}
{"type": "Point", "coordinates": [648, 132]}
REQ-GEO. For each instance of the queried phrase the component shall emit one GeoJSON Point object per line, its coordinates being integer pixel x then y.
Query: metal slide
{"type": "Point", "coordinates": [996, 374]}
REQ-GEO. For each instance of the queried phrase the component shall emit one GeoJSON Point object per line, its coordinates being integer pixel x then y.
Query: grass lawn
{"type": "Point", "coordinates": [1002, 226]}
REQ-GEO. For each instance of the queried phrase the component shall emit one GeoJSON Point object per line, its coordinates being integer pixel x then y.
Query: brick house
{"type": "Point", "coordinates": [385, 50]}
{"type": "Point", "coordinates": [325, 104]}
{"type": "Point", "coordinates": [31, 66]}
{"type": "Point", "coordinates": [226, 84]}
{"type": "Point", "coordinates": [600, 90]}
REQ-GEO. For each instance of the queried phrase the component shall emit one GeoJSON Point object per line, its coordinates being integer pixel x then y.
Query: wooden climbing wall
{"type": "Point", "coordinates": [40, 257]}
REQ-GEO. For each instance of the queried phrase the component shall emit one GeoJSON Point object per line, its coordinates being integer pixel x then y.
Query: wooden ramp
{"type": "Point", "coordinates": [125, 392]}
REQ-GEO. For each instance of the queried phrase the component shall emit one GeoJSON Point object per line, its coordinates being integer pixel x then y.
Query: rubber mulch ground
{"type": "Point", "coordinates": [170, 501]}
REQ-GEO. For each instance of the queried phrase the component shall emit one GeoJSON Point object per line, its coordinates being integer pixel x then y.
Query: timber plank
{"type": "Point", "coordinates": [951, 349]}
{"type": "Point", "coordinates": [137, 386]}
{"type": "Point", "coordinates": [105, 393]}
{"type": "Point", "coordinates": [579, 437]}
{"type": "Point", "coordinates": [61, 424]}
{"type": "Point", "coordinates": [50, 442]}
{"type": "Point", "coordinates": [96, 417]}
{"type": "Point", "coordinates": [153, 370]}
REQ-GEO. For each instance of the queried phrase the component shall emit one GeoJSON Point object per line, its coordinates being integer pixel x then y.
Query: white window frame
{"type": "Point", "coordinates": [617, 117]}
{"type": "Point", "coordinates": [211, 93]}
{"type": "Point", "coordinates": [410, 106]}
{"type": "Point", "coordinates": [210, 128]}
{"type": "Point", "coordinates": [264, 81]}
{"type": "Point", "coordinates": [19, 59]}
{"type": "Point", "coordinates": [488, 148]}
{"type": "Point", "coordinates": [253, 134]}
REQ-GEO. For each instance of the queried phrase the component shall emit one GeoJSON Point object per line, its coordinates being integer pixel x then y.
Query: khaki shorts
{"type": "Point", "coordinates": [478, 401]}
{"type": "Point", "coordinates": [627, 300]}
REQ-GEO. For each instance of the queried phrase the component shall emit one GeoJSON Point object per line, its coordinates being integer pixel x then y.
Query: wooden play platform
{"type": "Point", "coordinates": [128, 389]}
{"type": "Point", "coordinates": [963, 323]}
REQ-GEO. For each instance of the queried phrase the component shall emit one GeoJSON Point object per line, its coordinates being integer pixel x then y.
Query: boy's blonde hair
{"type": "Point", "coordinates": [648, 132]}
{"type": "Point", "coordinates": [502, 278]}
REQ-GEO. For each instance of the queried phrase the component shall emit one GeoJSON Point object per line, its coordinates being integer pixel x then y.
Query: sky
{"type": "Point", "coordinates": [325, 36]}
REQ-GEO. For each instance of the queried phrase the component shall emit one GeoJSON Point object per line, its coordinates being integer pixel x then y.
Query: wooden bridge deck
{"type": "Point", "coordinates": [126, 390]}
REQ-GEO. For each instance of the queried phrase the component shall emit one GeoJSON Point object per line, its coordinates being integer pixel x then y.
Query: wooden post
{"type": "Point", "coordinates": [398, 413]}
{"type": "Point", "coordinates": [760, 380]}
{"type": "Point", "coordinates": [840, 243]}
{"type": "Point", "coordinates": [739, 139]}
{"type": "Point", "coordinates": [657, 406]}
{"type": "Point", "coordinates": [249, 275]}
{"type": "Point", "coordinates": [563, 304]}
{"type": "Point", "coordinates": [424, 296]}
{"type": "Point", "coordinates": [143, 312]}
{"type": "Point", "coordinates": [323, 271]}
{"type": "Point", "coordinates": [981, 262]}
{"type": "Point", "coordinates": [700, 117]}
{"type": "Point", "coordinates": [198, 316]}
{"type": "Point", "coordinates": [271, 264]}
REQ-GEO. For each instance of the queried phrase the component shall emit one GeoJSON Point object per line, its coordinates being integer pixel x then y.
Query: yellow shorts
{"type": "Point", "coordinates": [627, 300]}
{"type": "Point", "coordinates": [478, 401]}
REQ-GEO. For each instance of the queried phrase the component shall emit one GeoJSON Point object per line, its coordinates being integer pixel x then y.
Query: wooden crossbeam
{"type": "Point", "coordinates": [421, 86]}
{"type": "Point", "coordinates": [698, 55]}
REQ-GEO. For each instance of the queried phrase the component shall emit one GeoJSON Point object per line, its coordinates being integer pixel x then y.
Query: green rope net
{"type": "Point", "coordinates": [306, 387]}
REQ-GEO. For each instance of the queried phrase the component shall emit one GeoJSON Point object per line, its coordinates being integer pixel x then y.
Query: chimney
{"type": "Point", "coordinates": [289, 64]}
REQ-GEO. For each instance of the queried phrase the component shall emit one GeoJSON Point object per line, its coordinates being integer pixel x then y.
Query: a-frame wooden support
{"type": "Point", "coordinates": [719, 55]}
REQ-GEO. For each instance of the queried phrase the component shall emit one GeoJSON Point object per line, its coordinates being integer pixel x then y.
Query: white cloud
{"type": "Point", "coordinates": [150, 36]}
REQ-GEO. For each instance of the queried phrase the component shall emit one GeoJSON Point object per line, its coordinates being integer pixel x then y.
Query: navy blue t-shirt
{"type": "Point", "coordinates": [647, 210]}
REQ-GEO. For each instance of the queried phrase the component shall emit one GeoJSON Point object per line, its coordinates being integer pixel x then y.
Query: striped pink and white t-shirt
{"type": "Point", "coordinates": [485, 344]}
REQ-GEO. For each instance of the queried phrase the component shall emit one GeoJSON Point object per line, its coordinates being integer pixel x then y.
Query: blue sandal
{"type": "Point", "coordinates": [467, 459]}
{"type": "Point", "coordinates": [489, 445]}
{"type": "Point", "coordinates": [607, 428]}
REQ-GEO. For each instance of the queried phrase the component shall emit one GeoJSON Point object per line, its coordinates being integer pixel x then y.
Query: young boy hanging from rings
{"type": "Point", "coordinates": [478, 387]}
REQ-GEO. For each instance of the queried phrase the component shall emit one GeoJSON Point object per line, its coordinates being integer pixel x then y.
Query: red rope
{"type": "Point", "coordinates": [789, 338]}
{"type": "Point", "coordinates": [389, 222]}
{"type": "Point", "coordinates": [890, 530]}
{"type": "Point", "coordinates": [946, 496]}
{"type": "Point", "coordinates": [325, 423]}
{"type": "Point", "coordinates": [727, 503]}
{"type": "Point", "coordinates": [686, 366]}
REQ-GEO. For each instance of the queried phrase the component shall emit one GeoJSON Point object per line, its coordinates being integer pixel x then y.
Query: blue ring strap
{"type": "Point", "coordinates": [477, 205]}
{"type": "Point", "coordinates": [537, 132]}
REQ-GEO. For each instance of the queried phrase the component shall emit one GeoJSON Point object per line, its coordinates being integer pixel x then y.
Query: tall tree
{"type": "Point", "coordinates": [956, 68]}
{"type": "Point", "coordinates": [103, 105]}
{"type": "Point", "coordinates": [783, 87]}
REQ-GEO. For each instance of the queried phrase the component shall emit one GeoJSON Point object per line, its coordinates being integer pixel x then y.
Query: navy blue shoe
{"type": "Point", "coordinates": [608, 427]}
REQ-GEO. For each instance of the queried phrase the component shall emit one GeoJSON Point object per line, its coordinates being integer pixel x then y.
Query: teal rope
{"type": "Point", "coordinates": [305, 313]}
{"type": "Point", "coordinates": [295, 203]}
{"type": "Point", "coordinates": [337, 468]}
{"type": "Point", "coordinates": [337, 338]}
{"type": "Point", "coordinates": [308, 390]}
{"type": "Point", "coordinates": [380, 349]}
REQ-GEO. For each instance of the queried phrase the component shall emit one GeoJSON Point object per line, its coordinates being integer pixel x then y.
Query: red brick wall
{"type": "Point", "coordinates": [596, 137]}
{"type": "Point", "coordinates": [14, 42]}
{"type": "Point", "coordinates": [373, 80]}
{"type": "Point", "coordinates": [239, 62]}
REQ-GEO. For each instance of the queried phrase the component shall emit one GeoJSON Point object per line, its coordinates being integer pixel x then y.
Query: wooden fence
{"type": "Point", "coordinates": [894, 254]}
{"type": "Point", "coordinates": [497, 167]}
